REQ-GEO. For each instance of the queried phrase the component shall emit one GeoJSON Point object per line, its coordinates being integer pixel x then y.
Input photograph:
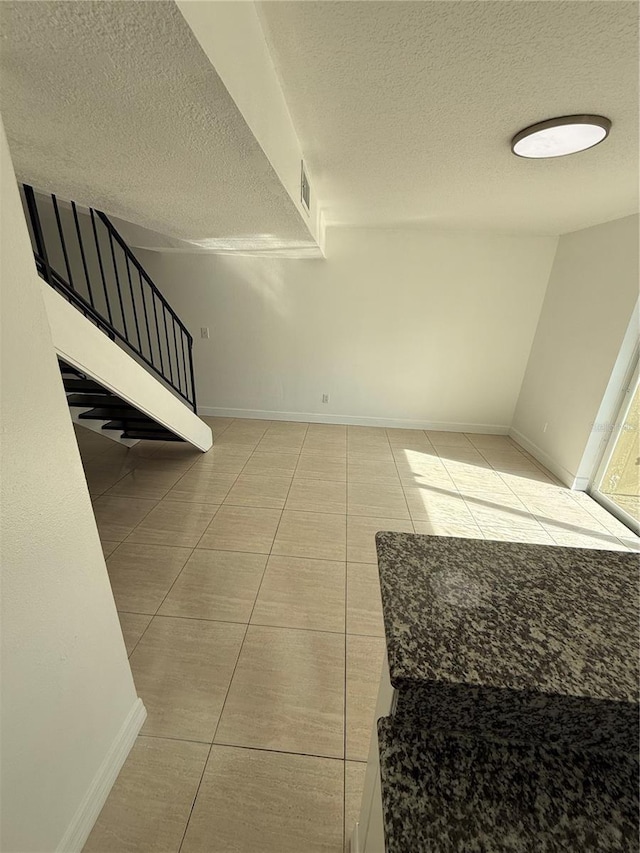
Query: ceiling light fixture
{"type": "Point", "coordinates": [557, 137]}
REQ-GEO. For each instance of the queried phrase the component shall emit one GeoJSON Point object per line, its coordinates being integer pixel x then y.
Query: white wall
{"type": "Point", "coordinates": [69, 706]}
{"type": "Point", "coordinates": [400, 327]}
{"type": "Point", "coordinates": [587, 310]}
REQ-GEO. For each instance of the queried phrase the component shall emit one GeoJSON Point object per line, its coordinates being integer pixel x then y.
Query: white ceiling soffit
{"type": "Point", "coordinates": [115, 105]}
{"type": "Point", "coordinates": [405, 110]}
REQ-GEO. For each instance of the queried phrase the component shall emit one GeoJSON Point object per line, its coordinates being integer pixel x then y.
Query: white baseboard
{"type": "Point", "coordinates": [566, 477]}
{"type": "Point", "coordinates": [82, 823]}
{"type": "Point", "coordinates": [356, 420]}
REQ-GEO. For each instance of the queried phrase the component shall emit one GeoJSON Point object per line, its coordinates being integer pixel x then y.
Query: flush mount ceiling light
{"type": "Point", "coordinates": [557, 137]}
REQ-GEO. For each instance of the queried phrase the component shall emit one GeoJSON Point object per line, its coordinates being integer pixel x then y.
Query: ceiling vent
{"type": "Point", "coordinates": [305, 188]}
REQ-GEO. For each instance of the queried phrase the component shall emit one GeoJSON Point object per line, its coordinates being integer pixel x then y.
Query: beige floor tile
{"type": "Point", "coordinates": [427, 503]}
{"type": "Point", "coordinates": [365, 656]}
{"type": "Point", "coordinates": [476, 479]}
{"type": "Point", "coordinates": [492, 442]}
{"type": "Point", "coordinates": [441, 438]}
{"type": "Point", "coordinates": [116, 517]}
{"type": "Point", "coordinates": [439, 527]}
{"type": "Point", "coordinates": [133, 626]}
{"type": "Point", "coordinates": [216, 585]}
{"type": "Point", "coordinates": [364, 605]}
{"type": "Point", "coordinates": [327, 430]}
{"type": "Point", "coordinates": [370, 452]}
{"type": "Point", "coordinates": [174, 523]}
{"type": "Point", "coordinates": [182, 669]}
{"type": "Point", "coordinates": [239, 528]}
{"type": "Point", "coordinates": [287, 693]}
{"type": "Point", "coordinates": [297, 592]}
{"type": "Point", "coordinates": [576, 537]}
{"type": "Point", "coordinates": [253, 801]}
{"type": "Point", "coordinates": [149, 805]}
{"type": "Point", "coordinates": [203, 485]}
{"type": "Point", "coordinates": [531, 483]}
{"type": "Point", "coordinates": [501, 516]}
{"type": "Point", "coordinates": [331, 448]}
{"type": "Point", "coordinates": [402, 437]}
{"type": "Point", "coordinates": [311, 534]}
{"type": "Point", "coordinates": [467, 457]}
{"type": "Point", "coordinates": [145, 483]}
{"type": "Point", "coordinates": [226, 460]}
{"type": "Point", "coordinates": [259, 490]}
{"type": "Point", "coordinates": [532, 535]}
{"type": "Point", "coordinates": [142, 574]}
{"type": "Point", "coordinates": [317, 496]}
{"type": "Point", "coordinates": [387, 501]}
{"type": "Point", "coordinates": [216, 423]}
{"type": "Point", "coordinates": [316, 466]}
{"type": "Point", "coordinates": [361, 531]}
{"type": "Point", "coordinates": [238, 442]}
{"type": "Point", "coordinates": [108, 547]}
{"type": "Point", "coordinates": [364, 471]}
{"type": "Point", "coordinates": [354, 773]}
{"type": "Point", "coordinates": [280, 443]}
{"type": "Point", "coordinates": [274, 464]}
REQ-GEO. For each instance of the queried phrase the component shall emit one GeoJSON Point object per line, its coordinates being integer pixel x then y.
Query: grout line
{"type": "Point", "coordinates": [241, 646]}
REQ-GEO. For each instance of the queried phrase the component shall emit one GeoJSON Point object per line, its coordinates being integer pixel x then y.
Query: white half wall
{"type": "Point", "coordinates": [408, 327]}
{"type": "Point", "coordinates": [83, 345]}
{"type": "Point", "coordinates": [69, 707]}
{"type": "Point", "coordinates": [585, 320]}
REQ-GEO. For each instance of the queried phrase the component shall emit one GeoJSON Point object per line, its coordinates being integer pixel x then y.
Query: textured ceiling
{"type": "Point", "coordinates": [116, 105]}
{"type": "Point", "coordinates": [405, 110]}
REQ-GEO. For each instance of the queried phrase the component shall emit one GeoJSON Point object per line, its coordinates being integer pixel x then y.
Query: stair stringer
{"type": "Point", "coordinates": [79, 343]}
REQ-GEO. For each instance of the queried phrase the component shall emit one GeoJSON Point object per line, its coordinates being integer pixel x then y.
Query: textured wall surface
{"type": "Point", "coordinates": [66, 682]}
{"type": "Point", "coordinates": [116, 105]}
{"type": "Point", "coordinates": [589, 303]}
{"type": "Point", "coordinates": [413, 324]}
{"type": "Point", "coordinates": [406, 110]}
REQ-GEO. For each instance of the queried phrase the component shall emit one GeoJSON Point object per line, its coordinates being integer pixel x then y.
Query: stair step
{"type": "Point", "coordinates": [105, 413]}
{"type": "Point", "coordinates": [87, 386]}
{"type": "Point", "coordinates": [135, 426]}
{"type": "Point", "coordinates": [158, 434]}
{"type": "Point", "coordinates": [120, 425]}
{"type": "Point", "coordinates": [93, 400]}
{"type": "Point", "coordinates": [70, 372]}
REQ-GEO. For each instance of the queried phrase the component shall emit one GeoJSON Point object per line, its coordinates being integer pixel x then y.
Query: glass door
{"type": "Point", "coordinates": [617, 481]}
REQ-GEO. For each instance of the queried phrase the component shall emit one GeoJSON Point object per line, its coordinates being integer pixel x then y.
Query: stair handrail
{"type": "Point", "coordinates": [158, 350]}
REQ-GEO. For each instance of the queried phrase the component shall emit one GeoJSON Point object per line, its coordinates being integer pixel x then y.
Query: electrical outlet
{"type": "Point", "coordinates": [204, 332]}
{"type": "Point", "coordinates": [325, 398]}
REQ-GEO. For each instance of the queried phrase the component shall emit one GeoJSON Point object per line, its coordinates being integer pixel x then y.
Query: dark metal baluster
{"type": "Point", "coordinates": [146, 316]}
{"type": "Point", "coordinates": [37, 231]}
{"type": "Point", "coordinates": [104, 283]}
{"type": "Point", "coordinates": [155, 314]}
{"type": "Point", "coordinates": [115, 270]}
{"type": "Point", "coordinates": [133, 304]}
{"type": "Point", "coordinates": [175, 346]}
{"type": "Point", "coordinates": [166, 332]}
{"type": "Point", "coordinates": [82, 255]}
{"type": "Point", "coordinates": [62, 242]}
{"type": "Point", "coordinates": [193, 381]}
{"type": "Point", "coordinates": [184, 363]}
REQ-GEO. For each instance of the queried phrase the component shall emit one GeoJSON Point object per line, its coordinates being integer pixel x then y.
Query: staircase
{"type": "Point", "coordinates": [127, 367]}
{"type": "Point", "coordinates": [91, 402]}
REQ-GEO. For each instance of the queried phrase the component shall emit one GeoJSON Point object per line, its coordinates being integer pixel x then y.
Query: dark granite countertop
{"type": "Point", "coordinates": [445, 793]}
{"type": "Point", "coordinates": [510, 615]}
{"type": "Point", "coordinates": [513, 640]}
{"type": "Point", "coordinates": [515, 726]}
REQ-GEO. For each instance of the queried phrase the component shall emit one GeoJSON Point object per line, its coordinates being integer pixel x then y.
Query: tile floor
{"type": "Point", "coordinates": [247, 590]}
